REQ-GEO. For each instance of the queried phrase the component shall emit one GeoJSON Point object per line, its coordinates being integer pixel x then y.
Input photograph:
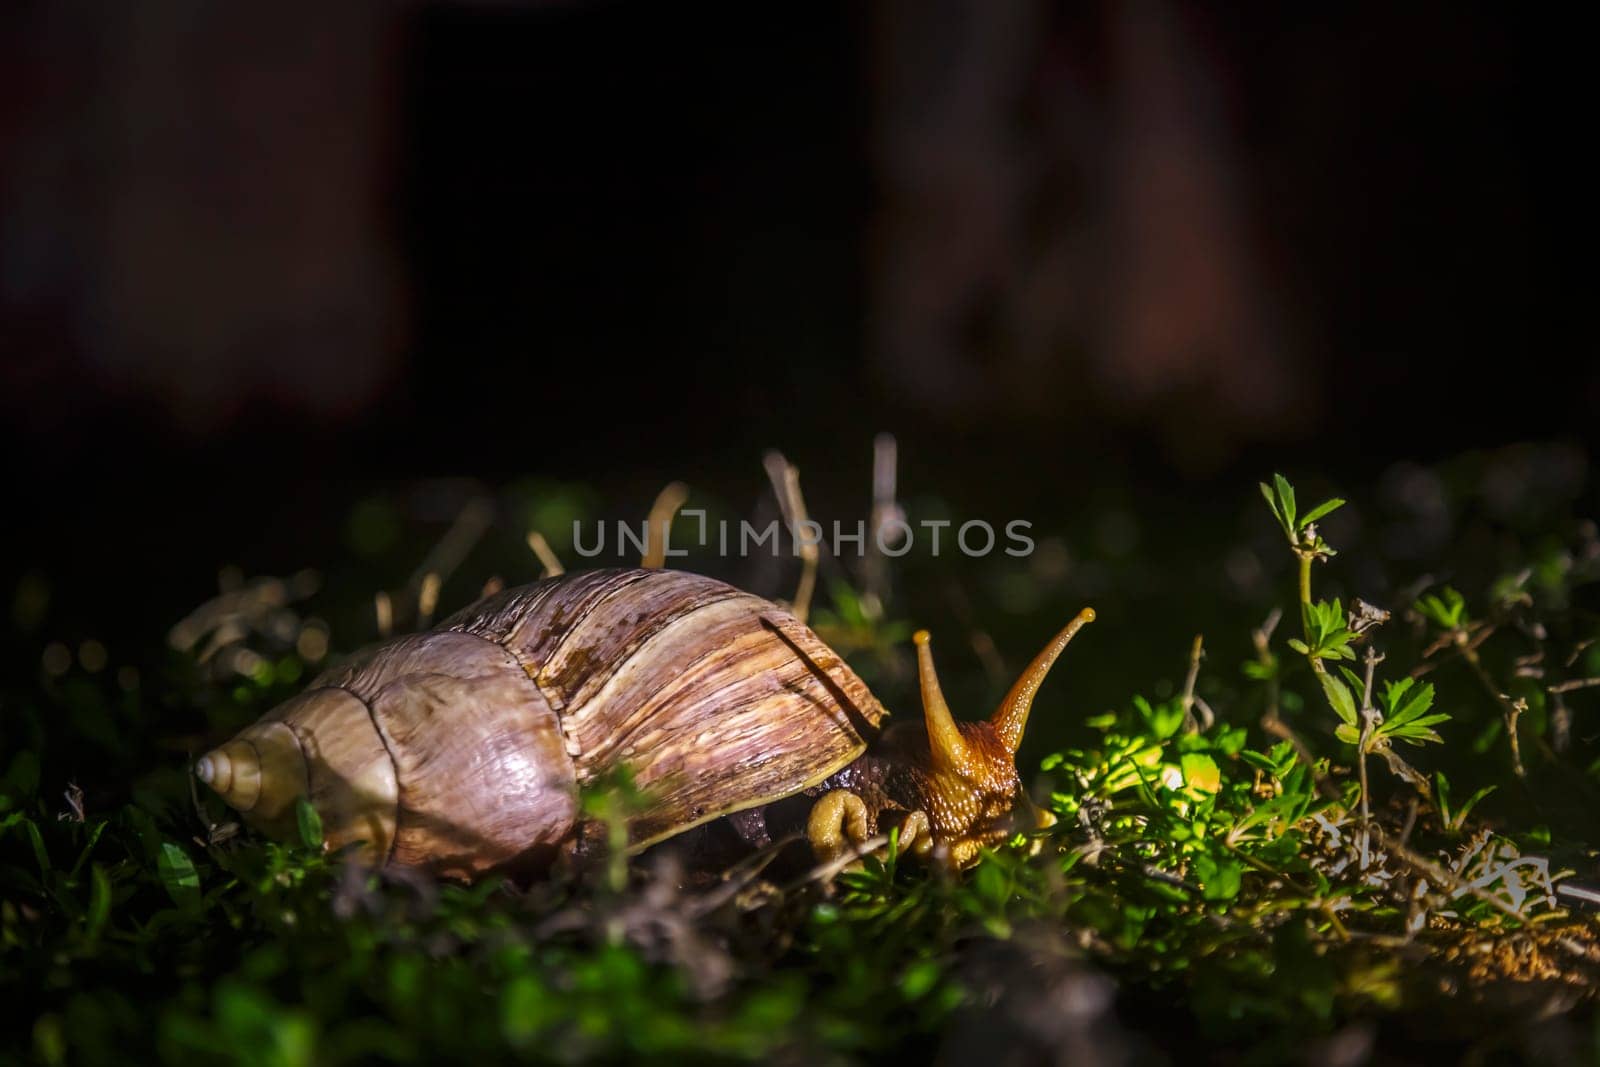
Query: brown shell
{"type": "Point", "coordinates": [463, 748]}
{"type": "Point", "coordinates": [715, 699]}
{"type": "Point", "coordinates": [481, 776]}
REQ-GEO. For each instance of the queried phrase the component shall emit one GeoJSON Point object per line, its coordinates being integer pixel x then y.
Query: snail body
{"type": "Point", "coordinates": [463, 749]}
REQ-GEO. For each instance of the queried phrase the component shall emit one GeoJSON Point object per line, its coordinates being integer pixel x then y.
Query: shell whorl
{"type": "Point", "coordinates": [234, 771]}
{"type": "Point", "coordinates": [716, 700]}
{"type": "Point", "coordinates": [259, 773]}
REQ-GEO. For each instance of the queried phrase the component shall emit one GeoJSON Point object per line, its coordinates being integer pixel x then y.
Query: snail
{"type": "Point", "coordinates": [462, 749]}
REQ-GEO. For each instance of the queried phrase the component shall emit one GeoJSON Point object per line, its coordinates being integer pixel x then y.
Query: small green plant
{"type": "Point", "coordinates": [1454, 817]}
{"type": "Point", "coordinates": [1299, 529]}
{"type": "Point", "coordinates": [1327, 635]}
{"type": "Point", "coordinates": [1445, 609]}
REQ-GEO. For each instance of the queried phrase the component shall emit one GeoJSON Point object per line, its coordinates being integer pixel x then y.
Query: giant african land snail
{"type": "Point", "coordinates": [462, 749]}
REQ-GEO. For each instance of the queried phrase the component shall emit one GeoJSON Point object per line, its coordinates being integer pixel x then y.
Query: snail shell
{"type": "Point", "coordinates": [462, 749]}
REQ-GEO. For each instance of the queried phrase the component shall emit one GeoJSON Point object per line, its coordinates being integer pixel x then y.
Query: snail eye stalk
{"type": "Point", "coordinates": [948, 747]}
{"type": "Point", "coordinates": [1011, 718]}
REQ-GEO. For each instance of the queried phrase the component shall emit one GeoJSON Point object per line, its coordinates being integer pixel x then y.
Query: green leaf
{"type": "Point", "coordinates": [1141, 786]}
{"type": "Point", "coordinates": [1230, 740]}
{"type": "Point", "coordinates": [1347, 733]}
{"type": "Point", "coordinates": [40, 854]}
{"type": "Point", "coordinates": [1447, 610]}
{"type": "Point", "coordinates": [1472, 802]}
{"type": "Point", "coordinates": [1286, 498]}
{"type": "Point", "coordinates": [309, 823]}
{"type": "Point", "coordinates": [1162, 720]}
{"type": "Point", "coordinates": [94, 838]}
{"type": "Point", "coordinates": [1279, 809]}
{"type": "Point", "coordinates": [1258, 671]}
{"type": "Point", "coordinates": [919, 979]}
{"type": "Point", "coordinates": [99, 902]}
{"type": "Point", "coordinates": [991, 884]}
{"type": "Point", "coordinates": [1393, 691]}
{"type": "Point", "coordinates": [1319, 511]}
{"type": "Point", "coordinates": [1200, 772]}
{"type": "Point", "coordinates": [1414, 730]}
{"type": "Point", "coordinates": [179, 876]}
{"type": "Point", "coordinates": [1260, 761]}
{"type": "Point", "coordinates": [1220, 879]}
{"type": "Point", "coordinates": [1277, 512]}
{"type": "Point", "coordinates": [1408, 703]}
{"type": "Point", "coordinates": [1339, 697]}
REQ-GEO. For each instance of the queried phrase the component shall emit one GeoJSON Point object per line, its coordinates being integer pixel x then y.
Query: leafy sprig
{"type": "Point", "coordinates": [1327, 635]}
{"type": "Point", "coordinates": [1299, 529]}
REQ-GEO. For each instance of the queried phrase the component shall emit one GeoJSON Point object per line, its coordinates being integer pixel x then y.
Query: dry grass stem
{"type": "Point", "coordinates": [550, 566]}
{"type": "Point", "coordinates": [785, 478]}
{"type": "Point", "coordinates": [658, 526]}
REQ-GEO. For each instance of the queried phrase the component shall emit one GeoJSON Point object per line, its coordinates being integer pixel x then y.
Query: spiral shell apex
{"type": "Point", "coordinates": [258, 773]}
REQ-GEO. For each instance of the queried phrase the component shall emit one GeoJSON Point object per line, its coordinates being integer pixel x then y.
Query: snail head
{"type": "Point", "coordinates": [968, 782]}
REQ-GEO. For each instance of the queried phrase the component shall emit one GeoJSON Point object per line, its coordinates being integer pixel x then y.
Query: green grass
{"type": "Point", "coordinates": [1319, 835]}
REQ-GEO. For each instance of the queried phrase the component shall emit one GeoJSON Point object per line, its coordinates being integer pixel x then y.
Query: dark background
{"type": "Point", "coordinates": [256, 262]}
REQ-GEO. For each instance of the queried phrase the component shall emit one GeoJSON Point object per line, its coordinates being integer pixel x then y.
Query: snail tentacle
{"type": "Point", "coordinates": [948, 747]}
{"type": "Point", "coordinates": [1011, 718]}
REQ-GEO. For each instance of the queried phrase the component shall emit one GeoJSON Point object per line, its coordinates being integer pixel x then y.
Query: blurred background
{"type": "Point", "coordinates": [1098, 266]}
